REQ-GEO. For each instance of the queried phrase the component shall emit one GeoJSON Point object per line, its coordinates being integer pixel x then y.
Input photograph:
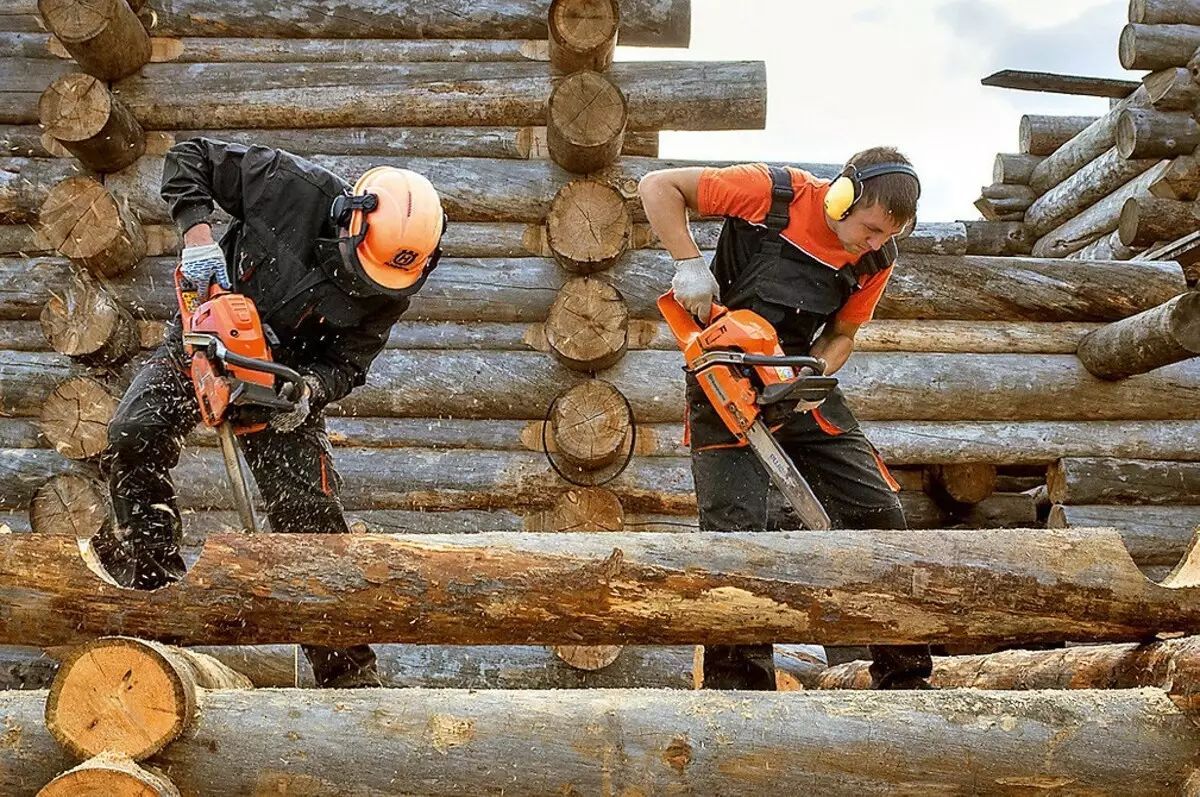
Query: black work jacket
{"type": "Point", "coordinates": [280, 207]}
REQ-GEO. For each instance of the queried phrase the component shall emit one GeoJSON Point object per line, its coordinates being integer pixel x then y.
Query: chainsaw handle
{"type": "Point", "coordinates": [290, 377]}
{"type": "Point", "coordinates": [683, 324]}
{"type": "Point", "coordinates": [795, 361]}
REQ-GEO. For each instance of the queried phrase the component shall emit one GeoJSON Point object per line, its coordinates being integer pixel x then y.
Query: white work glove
{"type": "Point", "coordinates": [287, 422]}
{"type": "Point", "coordinates": [201, 265]}
{"type": "Point", "coordinates": [695, 287]}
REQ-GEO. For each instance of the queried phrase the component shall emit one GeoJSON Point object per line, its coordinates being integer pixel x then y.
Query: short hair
{"type": "Point", "coordinates": [897, 193]}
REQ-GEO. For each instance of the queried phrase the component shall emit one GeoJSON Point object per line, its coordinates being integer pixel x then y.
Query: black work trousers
{"type": "Point", "coordinates": [734, 493]}
{"type": "Point", "coordinates": [294, 473]}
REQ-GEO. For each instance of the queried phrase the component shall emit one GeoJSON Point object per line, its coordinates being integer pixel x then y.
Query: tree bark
{"type": "Point", "coordinates": [110, 774]}
{"type": "Point", "coordinates": [607, 589]}
{"type": "Point", "coordinates": [1102, 217]}
{"type": "Point", "coordinates": [75, 418]}
{"type": "Point", "coordinates": [1166, 334]}
{"type": "Point", "coordinates": [193, 50]}
{"type": "Point", "coordinates": [1085, 146]}
{"type": "Point", "coordinates": [1153, 535]}
{"type": "Point", "coordinates": [967, 483]}
{"type": "Point", "coordinates": [1163, 12]}
{"type": "Point", "coordinates": [86, 322]}
{"type": "Point", "coordinates": [25, 182]}
{"type": "Point", "coordinates": [85, 222]}
{"type": "Point", "coordinates": [1083, 189]}
{"type": "Point", "coordinates": [1108, 247]}
{"type": "Point", "coordinates": [586, 119]}
{"type": "Point", "coordinates": [129, 696]}
{"type": "Point", "coordinates": [72, 504]}
{"type": "Point", "coordinates": [583, 34]}
{"type": "Point", "coordinates": [22, 141]}
{"type": "Point", "coordinates": [1172, 89]}
{"type": "Point", "coordinates": [80, 113]}
{"type": "Point", "coordinates": [1130, 742]}
{"type": "Point", "coordinates": [587, 327]}
{"type": "Point", "coordinates": [104, 37]}
{"type": "Point", "coordinates": [590, 424]}
{"type": "Point", "coordinates": [651, 23]}
{"type": "Point", "coordinates": [21, 84]}
{"type": "Point", "coordinates": [588, 227]}
{"type": "Point", "coordinates": [1106, 480]}
{"type": "Point", "coordinates": [1014, 168]}
{"type": "Point", "coordinates": [522, 143]}
{"type": "Point", "coordinates": [663, 95]}
{"type": "Point", "coordinates": [1156, 47]}
{"type": "Point", "coordinates": [999, 238]}
{"type": "Point", "coordinates": [1042, 135]}
{"type": "Point", "coordinates": [1149, 133]}
{"type": "Point", "coordinates": [1147, 219]}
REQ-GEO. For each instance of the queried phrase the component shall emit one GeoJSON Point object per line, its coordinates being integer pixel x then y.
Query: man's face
{"type": "Point", "coordinates": [866, 229]}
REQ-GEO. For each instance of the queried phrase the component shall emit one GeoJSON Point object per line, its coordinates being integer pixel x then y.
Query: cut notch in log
{"type": "Point", "coordinates": [130, 696]}
{"type": "Point", "coordinates": [585, 122]}
{"type": "Point", "coordinates": [1149, 133]}
{"type": "Point", "coordinates": [88, 323]}
{"type": "Point", "coordinates": [588, 227]}
{"type": "Point", "coordinates": [71, 504]}
{"type": "Point", "coordinates": [588, 324]}
{"type": "Point", "coordinates": [1165, 334]}
{"type": "Point", "coordinates": [75, 418]}
{"type": "Point", "coordinates": [83, 221]}
{"type": "Point", "coordinates": [1172, 89]}
{"type": "Point", "coordinates": [110, 775]}
{"type": "Point", "coordinates": [104, 36]}
{"type": "Point", "coordinates": [80, 113]}
{"type": "Point", "coordinates": [590, 424]}
{"type": "Point", "coordinates": [1145, 220]}
{"type": "Point", "coordinates": [583, 34]}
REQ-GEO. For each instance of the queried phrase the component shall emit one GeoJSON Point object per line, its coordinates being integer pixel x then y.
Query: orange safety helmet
{"type": "Point", "coordinates": [395, 222]}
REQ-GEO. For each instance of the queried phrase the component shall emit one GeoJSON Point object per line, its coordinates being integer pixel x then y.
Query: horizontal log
{"type": "Point", "coordinates": [22, 141]}
{"type": "Point", "coordinates": [1146, 219]}
{"type": "Point", "coordinates": [22, 81]}
{"type": "Point", "coordinates": [26, 182]}
{"type": "Point", "coordinates": [1165, 334]}
{"type": "Point", "coordinates": [409, 142]}
{"type": "Point", "coordinates": [1107, 480]}
{"type": "Point", "coordinates": [653, 23]}
{"type": "Point", "coordinates": [673, 95]}
{"type": "Point", "coordinates": [1157, 46]}
{"type": "Point", "coordinates": [1085, 146]}
{"type": "Point", "coordinates": [1014, 168]}
{"type": "Point", "coordinates": [1083, 189]}
{"type": "Point", "coordinates": [1099, 219]}
{"type": "Point", "coordinates": [999, 238]}
{"type": "Point", "coordinates": [1104, 743]}
{"type": "Point", "coordinates": [1157, 535]}
{"type": "Point", "coordinates": [1163, 12]}
{"type": "Point", "coordinates": [1150, 133]}
{"type": "Point", "coordinates": [1108, 247]}
{"type": "Point", "coordinates": [1042, 135]}
{"type": "Point", "coordinates": [607, 588]}
{"type": "Point", "coordinates": [23, 667]}
{"type": "Point", "coordinates": [1059, 84]}
{"type": "Point", "coordinates": [24, 45]}
{"type": "Point", "coordinates": [203, 50]}
{"type": "Point", "coordinates": [1172, 89]}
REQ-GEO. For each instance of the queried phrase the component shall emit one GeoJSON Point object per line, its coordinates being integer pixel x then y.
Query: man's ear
{"type": "Point", "coordinates": [906, 230]}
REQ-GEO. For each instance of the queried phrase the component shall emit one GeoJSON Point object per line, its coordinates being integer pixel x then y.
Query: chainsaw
{"type": "Point", "coordinates": [738, 362]}
{"type": "Point", "coordinates": [233, 375]}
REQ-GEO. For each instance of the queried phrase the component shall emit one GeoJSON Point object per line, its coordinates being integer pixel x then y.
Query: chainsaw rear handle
{"type": "Point", "coordinates": [794, 361]}
{"type": "Point", "coordinates": [211, 345]}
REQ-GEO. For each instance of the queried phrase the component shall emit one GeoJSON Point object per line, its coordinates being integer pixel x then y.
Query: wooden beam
{"type": "Point", "coordinates": [1060, 84]}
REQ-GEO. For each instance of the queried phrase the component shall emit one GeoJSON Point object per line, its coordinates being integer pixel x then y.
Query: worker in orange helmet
{"type": "Point", "coordinates": [331, 268]}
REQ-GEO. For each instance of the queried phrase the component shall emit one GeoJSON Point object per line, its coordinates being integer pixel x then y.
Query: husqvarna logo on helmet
{"type": "Point", "coordinates": [403, 259]}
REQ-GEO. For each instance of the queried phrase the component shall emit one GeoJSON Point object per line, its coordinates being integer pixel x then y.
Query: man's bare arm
{"type": "Point", "coordinates": [667, 195]}
{"type": "Point", "coordinates": [835, 344]}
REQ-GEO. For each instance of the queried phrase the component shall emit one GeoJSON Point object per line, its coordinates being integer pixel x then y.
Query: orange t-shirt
{"type": "Point", "coordinates": [744, 192]}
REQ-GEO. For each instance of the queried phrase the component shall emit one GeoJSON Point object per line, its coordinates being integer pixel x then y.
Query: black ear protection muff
{"type": "Point", "coordinates": [344, 205]}
{"type": "Point", "coordinates": [847, 189]}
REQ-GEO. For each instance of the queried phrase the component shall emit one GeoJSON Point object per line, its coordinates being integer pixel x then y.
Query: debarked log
{"type": "Point", "coordinates": [1151, 339]}
{"type": "Point", "coordinates": [664, 95]}
{"type": "Point", "coordinates": [104, 36]}
{"type": "Point", "coordinates": [1150, 133]}
{"type": "Point", "coordinates": [110, 773]}
{"type": "Point", "coordinates": [654, 23]}
{"type": "Point", "coordinates": [1083, 189]}
{"type": "Point", "coordinates": [1108, 480]}
{"type": "Point", "coordinates": [208, 49]}
{"type": "Point", "coordinates": [25, 183]}
{"type": "Point", "coordinates": [1145, 220]}
{"type": "Point", "coordinates": [1042, 135]}
{"type": "Point", "coordinates": [1163, 12]}
{"type": "Point", "coordinates": [1157, 46]}
{"type": "Point", "coordinates": [1154, 535]}
{"type": "Point", "coordinates": [1172, 89]}
{"type": "Point", "coordinates": [1085, 146]}
{"type": "Point", "coordinates": [838, 587]}
{"type": "Point", "coordinates": [21, 83]}
{"type": "Point", "coordinates": [80, 113]}
{"type": "Point", "coordinates": [1127, 743]}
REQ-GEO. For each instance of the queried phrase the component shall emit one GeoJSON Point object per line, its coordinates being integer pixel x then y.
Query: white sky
{"type": "Point", "coordinates": [842, 76]}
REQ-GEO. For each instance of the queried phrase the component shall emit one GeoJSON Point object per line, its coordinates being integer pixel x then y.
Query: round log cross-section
{"type": "Point", "coordinates": [590, 424]}
{"type": "Point", "coordinates": [587, 326]}
{"type": "Point", "coordinates": [587, 509]}
{"type": "Point", "coordinates": [130, 696]}
{"type": "Point", "coordinates": [69, 504]}
{"type": "Point", "coordinates": [87, 322]}
{"type": "Point", "coordinates": [583, 34]}
{"type": "Point", "coordinates": [79, 112]}
{"type": "Point", "coordinates": [85, 223]}
{"type": "Point", "coordinates": [588, 227]}
{"type": "Point", "coordinates": [104, 36]}
{"type": "Point", "coordinates": [75, 417]}
{"type": "Point", "coordinates": [109, 775]}
{"type": "Point", "coordinates": [587, 657]}
{"type": "Point", "coordinates": [585, 122]}
{"type": "Point", "coordinates": [1146, 219]}
{"type": "Point", "coordinates": [1146, 133]}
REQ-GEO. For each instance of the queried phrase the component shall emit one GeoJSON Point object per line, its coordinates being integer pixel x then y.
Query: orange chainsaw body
{"type": "Point", "coordinates": [732, 393]}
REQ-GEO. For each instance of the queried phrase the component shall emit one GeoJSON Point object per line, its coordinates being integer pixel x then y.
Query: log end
{"type": "Point", "coordinates": [1127, 47]}
{"type": "Point", "coordinates": [75, 107]}
{"type": "Point", "coordinates": [588, 657]}
{"type": "Point", "coordinates": [75, 417]}
{"type": "Point", "coordinates": [109, 775]}
{"type": "Point", "coordinates": [120, 695]}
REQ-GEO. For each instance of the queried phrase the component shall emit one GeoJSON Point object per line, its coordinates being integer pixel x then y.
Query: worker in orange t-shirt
{"type": "Point", "coordinates": [812, 257]}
